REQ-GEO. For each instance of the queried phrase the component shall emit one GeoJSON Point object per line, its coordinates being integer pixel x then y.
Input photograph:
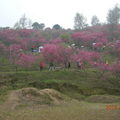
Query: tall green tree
{"type": "Point", "coordinates": [56, 26]}
{"type": "Point", "coordinates": [29, 26]}
{"type": "Point", "coordinates": [113, 19]}
{"type": "Point", "coordinates": [42, 25]}
{"type": "Point", "coordinates": [79, 22]}
{"type": "Point", "coordinates": [38, 26]}
{"type": "Point", "coordinates": [95, 21]}
{"type": "Point", "coordinates": [113, 16]}
{"type": "Point", "coordinates": [23, 23]}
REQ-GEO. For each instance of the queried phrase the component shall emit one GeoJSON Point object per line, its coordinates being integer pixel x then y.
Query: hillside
{"type": "Point", "coordinates": [33, 96]}
{"type": "Point", "coordinates": [75, 83]}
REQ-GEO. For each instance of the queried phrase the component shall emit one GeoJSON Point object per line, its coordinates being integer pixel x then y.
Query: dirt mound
{"type": "Point", "coordinates": [33, 96]}
{"type": "Point", "coordinates": [103, 99]}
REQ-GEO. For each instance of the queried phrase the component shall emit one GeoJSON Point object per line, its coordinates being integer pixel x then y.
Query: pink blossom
{"type": "Point", "coordinates": [25, 60]}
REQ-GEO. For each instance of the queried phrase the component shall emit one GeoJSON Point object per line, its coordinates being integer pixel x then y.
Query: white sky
{"type": "Point", "coordinates": [53, 12]}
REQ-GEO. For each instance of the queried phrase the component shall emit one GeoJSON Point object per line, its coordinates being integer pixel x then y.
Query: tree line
{"type": "Point", "coordinates": [80, 21]}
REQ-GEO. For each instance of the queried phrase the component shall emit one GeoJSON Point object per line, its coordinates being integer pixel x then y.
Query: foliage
{"type": "Point", "coordinates": [38, 26]}
{"type": "Point", "coordinates": [56, 26]}
{"type": "Point", "coordinates": [61, 47]}
{"type": "Point", "coordinates": [95, 21]}
{"type": "Point", "coordinates": [79, 22]}
{"type": "Point", "coordinates": [114, 15]}
{"type": "Point", "coordinates": [26, 60]}
{"type": "Point", "coordinates": [23, 23]}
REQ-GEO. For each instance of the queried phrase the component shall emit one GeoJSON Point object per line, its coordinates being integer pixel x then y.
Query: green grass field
{"type": "Point", "coordinates": [69, 111]}
{"type": "Point", "coordinates": [89, 90]}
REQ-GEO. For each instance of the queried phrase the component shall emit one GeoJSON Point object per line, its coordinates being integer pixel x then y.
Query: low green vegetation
{"type": "Point", "coordinates": [74, 83]}
{"type": "Point", "coordinates": [59, 95]}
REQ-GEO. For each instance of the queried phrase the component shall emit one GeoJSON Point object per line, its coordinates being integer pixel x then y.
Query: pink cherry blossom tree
{"type": "Point", "coordinates": [26, 61]}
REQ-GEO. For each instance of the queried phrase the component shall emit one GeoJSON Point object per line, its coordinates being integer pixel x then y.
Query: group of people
{"type": "Point", "coordinates": [42, 65]}
{"type": "Point", "coordinates": [52, 66]}
{"type": "Point", "coordinates": [79, 65]}
{"type": "Point", "coordinates": [33, 49]}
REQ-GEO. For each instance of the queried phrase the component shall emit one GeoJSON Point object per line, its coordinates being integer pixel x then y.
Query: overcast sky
{"type": "Point", "coordinates": [53, 12]}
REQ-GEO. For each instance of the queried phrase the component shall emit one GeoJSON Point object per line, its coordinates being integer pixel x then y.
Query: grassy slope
{"type": "Point", "coordinates": [76, 84]}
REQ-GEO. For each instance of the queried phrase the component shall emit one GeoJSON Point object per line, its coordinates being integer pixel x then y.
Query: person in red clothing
{"type": "Point", "coordinates": [41, 65]}
{"type": "Point", "coordinates": [33, 47]}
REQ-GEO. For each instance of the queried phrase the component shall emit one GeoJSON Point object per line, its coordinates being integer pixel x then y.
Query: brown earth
{"type": "Point", "coordinates": [103, 99]}
{"type": "Point", "coordinates": [33, 96]}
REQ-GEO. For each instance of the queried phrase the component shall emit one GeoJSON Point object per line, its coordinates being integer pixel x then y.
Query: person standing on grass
{"type": "Point", "coordinates": [32, 48]}
{"type": "Point", "coordinates": [41, 65]}
{"type": "Point", "coordinates": [69, 65]}
{"type": "Point", "coordinates": [51, 66]}
{"type": "Point", "coordinates": [79, 65]}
